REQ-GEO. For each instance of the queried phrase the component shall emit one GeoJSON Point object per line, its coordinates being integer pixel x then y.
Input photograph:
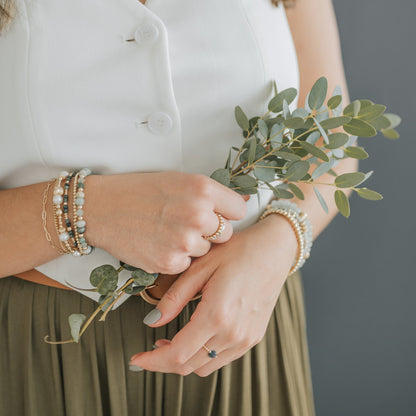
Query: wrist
{"type": "Point", "coordinates": [92, 209]}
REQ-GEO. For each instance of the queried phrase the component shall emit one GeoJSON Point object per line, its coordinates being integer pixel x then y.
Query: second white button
{"type": "Point", "coordinates": [146, 33]}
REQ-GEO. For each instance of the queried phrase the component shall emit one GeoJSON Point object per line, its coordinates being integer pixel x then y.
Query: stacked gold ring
{"type": "Point", "coordinates": [220, 229]}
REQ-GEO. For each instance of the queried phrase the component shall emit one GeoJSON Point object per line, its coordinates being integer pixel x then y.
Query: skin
{"type": "Point", "coordinates": [233, 314]}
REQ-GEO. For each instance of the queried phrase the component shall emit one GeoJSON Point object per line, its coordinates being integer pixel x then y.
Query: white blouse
{"type": "Point", "coordinates": [75, 92]}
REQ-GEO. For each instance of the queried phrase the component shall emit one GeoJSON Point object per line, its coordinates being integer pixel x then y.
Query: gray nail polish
{"type": "Point", "coordinates": [152, 317]}
{"type": "Point", "coordinates": [135, 368]}
{"type": "Point", "coordinates": [154, 346]}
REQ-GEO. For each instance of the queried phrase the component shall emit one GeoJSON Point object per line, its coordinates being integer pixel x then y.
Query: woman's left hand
{"type": "Point", "coordinates": [240, 281]}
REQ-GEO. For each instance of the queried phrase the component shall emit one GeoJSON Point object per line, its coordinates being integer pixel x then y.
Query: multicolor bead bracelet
{"type": "Point", "coordinates": [300, 224]}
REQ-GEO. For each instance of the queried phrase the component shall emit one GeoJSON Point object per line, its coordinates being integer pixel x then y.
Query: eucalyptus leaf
{"type": "Point", "coordinates": [333, 123]}
{"type": "Point", "coordinates": [104, 278]}
{"type": "Point", "coordinates": [264, 130]}
{"type": "Point", "coordinates": [276, 135]}
{"type": "Point", "coordinates": [241, 118]}
{"type": "Point", "coordinates": [287, 155]}
{"type": "Point", "coordinates": [280, 193]}
{"type": "Point", "coordinates": [133, 290]}
{"type": "Point", "coordinates": [352, 109]}
{"type": "Point", "coordinates": [286, 109]}
{"type": "Point", "coordinates": [337, 111]}
{"type": "Point", "coordinates": [365, 104]}
{"type": "Point", "coordinates": [142, 278]}
{"type": "Point", "coordinates": [222, 176]}
{"type": "Point", "coordinates": [372, 112]}
{"type": "Point", "coordinates": [276, 103]}
{"type": "Point", "coordinates": [300, 112]}
{"type": "Point", "coordinates": [369, 194]}
{"type": "Point", "coordinates": [360, 128]}
{"type": "Point", "coordinates": [356, 152]}
{"type": "Point", "coordinates": [318, 93]}
{"type": "Point", "coordinates": [76, 320]}
{"type": "Point", "coordinates": [321, 199]}
{"type": "Point", "coordinates": [381, 122]}
{"type": "Point", "coordinates": [296, 191]}
{"type": "Point", "coordinates": [297, 170]}
{"type": "Point", "coordinates": [336, 140]}
{"type": "Point", "coordinates": [227, 163]}
{"type": "Point", "coordinates": [334, 101]}
{"type": "Point", "coordinates": [348, 180]}
{"type": "Point", "coordinates": [315, 151]}
{"type": "Point", "coordinates": [322, 131]}
{"type": "Point", "coordinates": [245, 181]}
{"type": "Point", "coordinates": [394, 119]}
{"type": "Point", "coordinates": [264, 174]}
{"type": "Point", "coordinates": [294, 123]}
{"type": "Point", "coordinates": [322, 169]}
{"type": "Point", "coordinates": [127, 266]}
{"type": "Point", "coordinates": [342, 203]}
{"type": "Point", "coordinates": [390, 134]}
{"type": "Point", "coordinates": [313, 137]}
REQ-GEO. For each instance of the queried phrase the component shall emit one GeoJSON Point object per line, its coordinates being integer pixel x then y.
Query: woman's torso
{"type": "Point", "coordinates": [78, 93]}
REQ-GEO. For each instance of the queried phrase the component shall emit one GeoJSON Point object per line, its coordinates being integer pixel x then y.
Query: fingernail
{"type": "Point", "coordinates": [135, 368]}
{"type": "Point", "coordinates": [154, 346]}
{"type": "Point", "coordinates": [152, 317]}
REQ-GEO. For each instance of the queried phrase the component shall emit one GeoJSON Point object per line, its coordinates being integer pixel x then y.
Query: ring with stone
{"type": "Point", "coordinates": [220, 229]}
{"type": "Point", "coordinates": [211, 353]}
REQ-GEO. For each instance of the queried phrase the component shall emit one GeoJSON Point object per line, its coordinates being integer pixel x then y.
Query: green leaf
{"type": "Point", "coordinates": [390, 134]}
{"type": "Point", "coordinates": [222, 176]}
{"type": "Point", "coordinates": [280, 193]}
{"type": "Point", "coordinates": [276, 135]}
{"type": "Point", "coordinates": [104, 278]}
{"type": "Point", "coordinates": [365, 103]}
{"type": "Point", "coordinates": [333, 123]}
{"type": "Point", "coordinates": [300, 112]}
{"type": "Point", "coordinates": [244, 181]}
{"type": "Point", "coordinates": [76, 321]}
{"type": "Point", "coordinates": [128, 266]}
{"type": "Point", "coordinates": [348, 180]}
{"type": "Point", "coordinates": [372, 112]}
{"type": "Point", "coordinates": [294, 123]}
{"type": "Point", "coordinates": [297, 170]}
{"type": "Point", "coordinates": [104, 298]}
{"type": "Point", "coordinates": [381, 122]}
{"type": "Point", "coordinates": [318, 93]}
{"type": "Point", "coordinates": [342, 203]}
{"type": "Point", "coordinates": [264, 130]}
{"type": "Point", "coordinates": [276, 103]}
{"type": "Point", "coordinates": [313, 137]}
{"type": "Point", "coordinates": [321, 130]}
{"type": "Point", "coordinates": [245, 191]}
{"type": "Point", "coordinates": [286, 109]}
{"type": "Point", "coordinates": [336, 140]}
{"type": "Point", "coordinates": [356, 152]}
{"type": "Point", "coordinates": [322, 169]}
{"type": "Point", "coordinates": [296, 191]}
{"type": "Point", "coordinates": [287, 155]}
{"type": "Point", "coordinates": [334, 101]}
{"type": "Point", "coordinates": [321, 200]}
{"type": "Point", "coordinates": [264, 174]}
{"type": "Point", "coordinates": [315, 151]}
{"type": "Point", "coordinates": [227, 163]}
{"type": "Point", "coordinates": [252, 150]}
{"type": "Point", "coordinates": [142, 278]}
{"type": "Point", "coordinates": [369, 194]}
{"type": "Point", "coordinates": [352, 109]}
{"type": "Point", "coordinates": [394, 119]}
{"type": "Point", "coordinates": [133, 290]}
{"type": "Point", "coordinates": [241, 118]}
{"type": "Point", "coordinates": [360, 128]}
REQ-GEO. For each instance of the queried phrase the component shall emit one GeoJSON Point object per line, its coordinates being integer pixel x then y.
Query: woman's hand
{"type": "Point", "coordinates": [240, 282]}
{"type": "Point", "coordinates": [156, 221]}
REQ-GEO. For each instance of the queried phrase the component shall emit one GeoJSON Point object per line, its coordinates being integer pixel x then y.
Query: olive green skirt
{"type": "Point", "coordinates": [92, 377]}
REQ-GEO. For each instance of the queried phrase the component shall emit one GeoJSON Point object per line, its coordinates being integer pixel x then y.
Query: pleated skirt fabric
{"type": "Point", "coordinates": [92, 378]}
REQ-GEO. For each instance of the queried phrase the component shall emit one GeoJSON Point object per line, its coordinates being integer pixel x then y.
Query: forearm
{"type": "Point", "coordinates": [23, 245]}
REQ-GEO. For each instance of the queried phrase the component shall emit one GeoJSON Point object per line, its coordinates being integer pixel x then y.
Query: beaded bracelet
{"type": "Point", "coordinates": [78, 212]}
{"type": "Point", "coordinates": [300, 224]}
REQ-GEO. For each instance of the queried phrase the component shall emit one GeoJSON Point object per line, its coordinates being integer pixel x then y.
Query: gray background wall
{"type": "Point", "coordinates": [360, 282]}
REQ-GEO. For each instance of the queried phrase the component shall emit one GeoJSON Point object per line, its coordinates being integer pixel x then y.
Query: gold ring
{"type": "Point", "coordinates": [154, 301]}
{"type": "Point", "coordinates": [220, 229]}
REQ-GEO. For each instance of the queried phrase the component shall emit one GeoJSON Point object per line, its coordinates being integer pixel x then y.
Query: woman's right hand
{"type": "Point", "coordinates": [156, 221]}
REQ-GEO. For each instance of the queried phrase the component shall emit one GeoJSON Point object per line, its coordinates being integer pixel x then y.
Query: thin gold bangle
{"type": "Point", "coordinates": [154, 301]}
{"type": "Point", "coordinates": [44, 218]}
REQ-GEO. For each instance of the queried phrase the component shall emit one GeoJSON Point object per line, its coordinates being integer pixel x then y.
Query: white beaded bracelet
{"type": "Point", "coordinates": [301, 225]}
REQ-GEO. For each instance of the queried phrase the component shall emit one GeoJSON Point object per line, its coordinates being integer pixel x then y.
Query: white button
{"type": "Point", "coordinates": [147, 33]}
{"type": "Point", "coordinates": [159, 123]}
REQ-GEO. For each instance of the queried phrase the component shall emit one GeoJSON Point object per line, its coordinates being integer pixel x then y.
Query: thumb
{"type": "Point", "coordinates": [246, 197]}
{"type": "Point", "coordinates": [188, 284]}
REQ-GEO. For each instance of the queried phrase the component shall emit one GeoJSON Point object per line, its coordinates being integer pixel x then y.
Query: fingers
{"type": "Point", "coordinates": [188, 284]}
{"type": "Point", "coordinates": [228, 202]}
{"type": "Point", "coordinates": [214, 225]}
